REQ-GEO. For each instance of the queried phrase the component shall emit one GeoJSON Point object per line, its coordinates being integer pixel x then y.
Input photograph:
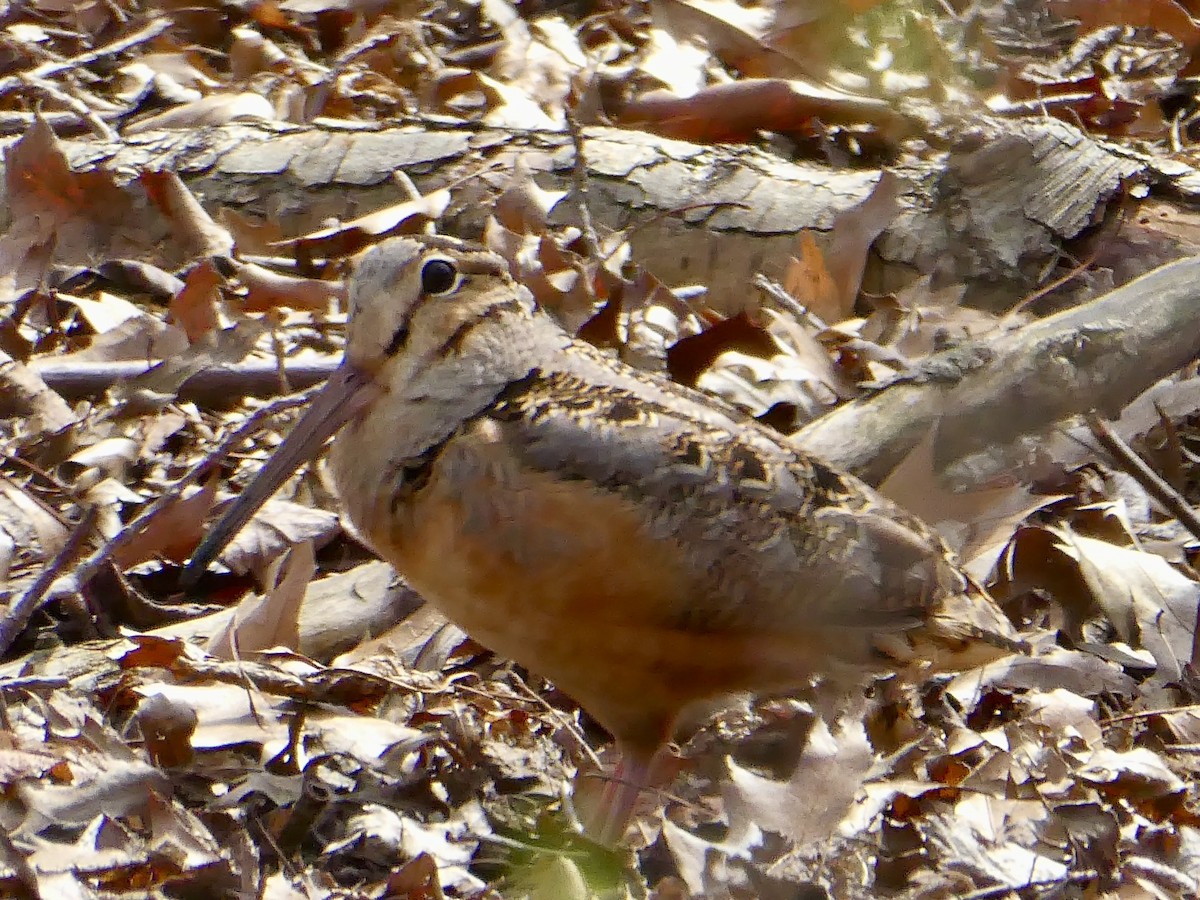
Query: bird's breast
{"type": "Point", "coordinates": [561, 575]}
{"type": "Point", "coordinates": [492, 542]}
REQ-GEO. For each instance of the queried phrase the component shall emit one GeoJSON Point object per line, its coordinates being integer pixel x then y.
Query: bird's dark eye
{"type": "Point", "coordinates": [438, 276]}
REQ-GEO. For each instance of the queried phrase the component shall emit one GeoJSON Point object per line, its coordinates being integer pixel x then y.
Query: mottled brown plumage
{"type": "Point", "coordinates": [640, 544]}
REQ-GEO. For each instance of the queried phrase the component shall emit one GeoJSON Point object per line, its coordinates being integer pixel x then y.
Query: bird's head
{"type": "Point", "coordinates": [437, 326]}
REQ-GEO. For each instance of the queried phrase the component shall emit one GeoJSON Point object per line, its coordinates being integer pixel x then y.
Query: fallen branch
{"type": "Point", "coordinates": [260, 378]}
{"type": "Point", "coordinates": [991, 401]}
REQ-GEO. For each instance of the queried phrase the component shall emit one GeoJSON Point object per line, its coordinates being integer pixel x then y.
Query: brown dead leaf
{"type": "Point", "coordinates": [226, 715]}
{"type": "Point", "coordinates": [274, 528]}
{"type": "Point", "coordinates": [1166, 16]}
{"type": "Point", "coordinates": [105, 785]}
{"type": "Point", "coordinates": [757, 385]}
{"type": "Point", "coordinates": [1184, 724]}
{"type": "Point", "coordinates": [251, 235]}
{"type": "Point", "coordinates": [408, 217]}
{"type": "Point", "coordinates": [18, 762]}
{"type": "Point", "coordinates": [852, 234]}
{"type": "Point", "coordinates": [919, 321]}
{"type": "Point", "coordinates": [111, 455]}
{"type": "Point", "coordinates": [978, 524]}
{"type": "Point", "coordinates": [523, 207]}
{"type": "Point", "coordinates": [808, 806]}
{"type": "Point", "coordinates": [450, 844]}
{"type": "Point", "coordinates": [215, 109]}
{"type": "Point", "coordinates": [28, 522]}
{"type": "Point", "coordinates": [149, 651]}
{"type": "Point", "coordinates": [656, 319]}
{"type": "Point", "coordinates": [45, 193]}
{"type": "Point", "coordinates": [140, 339]}
{"type": "Point", "coordinates": [51, 205]}
{"type": "Point", "coordinates": [536, 57]}
{"type": "Point", "coordinates": [604, 328]}
{"type": "Point", "coordinates": [519, 250]}
{"type": "Point", "coordinates": [968, 831]}
{"type": "Point", "coordinates": [228, 345]}
{"type": "Point", "coordinates": [675, 61]}
{"type": "Point", "coordinates": [272, 619]}
{"type": "Point", "coordinates": [1060, 711]}
{"type": "Point", "coordinates": [192, 226]}
{"type": "Point", "coordinates": [783, 417]}
{"type": "Point", "coordinates": [807, 278]}
{"type": "Point", "coordinates": [1151, 604]}
{"type": "Point", "coordinates": [1161, 217]}
{"type": "Point", "coordinates": [338, 615]}
{"type": "Point", "coordinates": [1136, 774]}
{"type": "Point", "coordinates": [104, 311]}
{"type": "Point", "coordinates": [1057, 668]}
{"type": "Point", "coordinates": [158, 430]}
{"type": "Point", "coordinates": [731, 31]}
{"type": "Point", "coordinates": [690, 356]}
{"type": "Point", "coordinates": [267, 290]}
{"type": "Point", "coordinates": [738, 111]}
{"type": "Point", "coordinates": [827, 281]}
{"type": "Point", "coordinates": [1031, 562]}
{"type": "Point", "coordinates": [810, 360]}
{"type": "Point", "coordinates": [23, 393]}
{"type": "Point", "coordinates": [459, 92]}
{"type": "Point", "coordinates": [691, 855]}
{"type": "Point", "coordinates": [167, 728]}
{"type": "Point", "coordinates": [425, 640]}
{"type": "Point", "coordinates": [555, 276]}
{"type": "Point", "coordinates": [194, 309]}
{"type": "Point", "coordinates": [270, 14]}
{"type": "Point", "coordinates": [174, 533]}
{"type": "Point", "coordinates": [417, 879]}
{"type": "Point", "coordinates": [169, 74]}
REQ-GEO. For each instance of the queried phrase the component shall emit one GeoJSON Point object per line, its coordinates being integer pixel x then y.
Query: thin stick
{"type": "Point", "coordinates": [1041, 292]}
{"type": "Point", "coordinates": [1004, 890]}
{"type": "Point", "coordinates": [1070, 274]}
{"type": "Point", "coordinates": [1150, 480]}
{"type": "Point", "coordinates": [1144, 713]}
{"type": "Point", "coordinates": [19, 614]}
{"type": "Point", "coordinates": [48, 69]}
{"type": "Point", "coordinates": [579, 175]}
{"type": "Point", "coordinates": [73, 103]}
{"type": "Point", "coordinates": [1156, 487]}
{"type": "Point", "coordinates": [40, 590]}
{"type": "Point", "coordinates": [260, 377]}
{"type": "Point", "coordinates": [564, 720]}
{"type": "Point", "coordinates": [799, 311]}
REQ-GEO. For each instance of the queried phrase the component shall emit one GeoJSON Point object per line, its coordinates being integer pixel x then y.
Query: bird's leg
{"type": "Point", "coordinates": [637, 770]}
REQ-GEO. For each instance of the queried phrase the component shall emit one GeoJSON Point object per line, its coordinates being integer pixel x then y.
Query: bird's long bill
{"type": "Point", "coordinates": [347, 392]}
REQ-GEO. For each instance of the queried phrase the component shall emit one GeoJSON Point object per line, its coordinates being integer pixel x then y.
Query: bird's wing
{"type": "Point", "coordinates": [780, 539]}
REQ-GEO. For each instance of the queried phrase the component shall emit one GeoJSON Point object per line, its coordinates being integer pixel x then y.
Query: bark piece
{"type": "Point", "coordinates": [992, 211]}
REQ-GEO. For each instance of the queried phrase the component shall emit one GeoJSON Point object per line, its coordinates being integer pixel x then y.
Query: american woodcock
{"type": "Point", "coordinates": [642, 545]}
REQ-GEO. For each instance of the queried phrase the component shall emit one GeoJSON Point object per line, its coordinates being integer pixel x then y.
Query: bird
{"type": "Point", "coordinates": [644, 546]}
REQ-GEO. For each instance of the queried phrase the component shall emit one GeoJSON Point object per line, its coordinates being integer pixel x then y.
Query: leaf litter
{"type": "Point", "coordinates": [330, 736]}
